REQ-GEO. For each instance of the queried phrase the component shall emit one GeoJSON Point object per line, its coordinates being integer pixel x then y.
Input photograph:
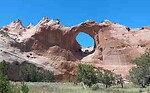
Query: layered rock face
{"type": "Point", "coordinates": [54, 47]}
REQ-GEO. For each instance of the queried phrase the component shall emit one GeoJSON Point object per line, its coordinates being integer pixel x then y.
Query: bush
{"type": "Point", "coordinates": [29, 72]}
{"type": "Point", "coordinates": [4, 85]}
{"type": "Point", "coordinates": [86, 74]}
{"type": "Point", "coordinates": [7, 87]}
{"type": "Point", "coordinates": [140, 74]}
{"type": "Point", "coordinates": [95, 87]}
{"type": "Point", "coordinates": [106, 78]}
{"type": "Point", "coordinates": [3, 68]}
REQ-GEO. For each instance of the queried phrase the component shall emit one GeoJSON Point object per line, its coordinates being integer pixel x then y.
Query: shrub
{"type": "Point", "coordinates": [99, 77]}
{"type": "Point", "coordinates": [95, 87]}
{"type": "Point", "coordinates": [47, 76]}
{"type": "Point", "coordinates": [106, 78]}
{"type": "Point", "coordinates": [86, 74]}
{"type": "Point", "coordinates": [29, 72]}
{"type": "Point", "coordinates": [3, 68]}
{"type": "Point", "coordinates": [4, 84]}
{"type": "Point", "coordinates": [140, 74]}
{"type": "Point", "coordinates": [8, 87]}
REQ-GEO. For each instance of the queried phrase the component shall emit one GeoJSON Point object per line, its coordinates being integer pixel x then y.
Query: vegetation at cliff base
{"type": "Point", "coordinates": [90, 76]}
{"type": "Point", "coordinates": [27, 72]}
{"type": "Point", "coordinates": [86, 74]}
{"type": "Point", "coordinates": [8, 87]}
{"type": "Point", "coordinates": [69, 87]}
{"type": "Point", "coordinates": [140, 73]}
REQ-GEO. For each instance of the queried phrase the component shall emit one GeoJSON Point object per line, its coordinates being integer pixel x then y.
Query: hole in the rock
{"type": "Point", "coordinates": [86, 42]}
{"type": "Point", "coordinates": [28, 56]}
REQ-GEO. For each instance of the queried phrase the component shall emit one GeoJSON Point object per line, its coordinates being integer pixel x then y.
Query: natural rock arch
{"type": "Point", "coordinates": [90, 30]}
{"type": "Point", "coordinates": [113, 43]}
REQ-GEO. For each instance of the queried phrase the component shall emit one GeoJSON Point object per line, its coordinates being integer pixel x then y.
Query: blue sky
{"type": "Point", "coordinates": [85, 40]}
{"type": "Point", "coordinates": [132, 13]}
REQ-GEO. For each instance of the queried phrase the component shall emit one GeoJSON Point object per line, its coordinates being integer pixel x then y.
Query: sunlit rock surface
{"type": "Point", "coordinates": [54, 47]}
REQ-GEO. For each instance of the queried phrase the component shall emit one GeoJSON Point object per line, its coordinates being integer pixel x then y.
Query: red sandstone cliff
{"type": "Point", "coordinates": [54, 46]}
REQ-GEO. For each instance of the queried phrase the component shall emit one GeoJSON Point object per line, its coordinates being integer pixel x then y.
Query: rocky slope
{"type": "Point", "coordinates": [54, 47]}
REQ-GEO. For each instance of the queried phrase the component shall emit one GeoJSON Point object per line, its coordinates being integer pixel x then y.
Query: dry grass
{"type": "Point", "coordinates": [70, 88]}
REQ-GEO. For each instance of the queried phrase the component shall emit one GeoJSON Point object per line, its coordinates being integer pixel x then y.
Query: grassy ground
{"type": "Point", "coordinates": [70, 88]}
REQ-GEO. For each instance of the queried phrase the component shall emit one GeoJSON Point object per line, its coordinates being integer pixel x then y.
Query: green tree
{"type": "Point", "coordinates": [3, 68]}
{"type": "Point", "coordinates": [140, 73]}
{"type": "Point", "coordinates": [106, 78]}
{"type": "Point", "coordinates": [8, 87]}
{"type": "Point", "coordinates": [29, 72]}
{"type": "Point", "coordinates": [86, 74]}
{"type": "Point", "coordinates": [4, 84]}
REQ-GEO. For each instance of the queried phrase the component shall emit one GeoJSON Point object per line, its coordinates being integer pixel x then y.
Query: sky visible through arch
{"type": "Point", "coordinates": [85, 40]}
{"type": "Point", "coordinates": [131, 13]}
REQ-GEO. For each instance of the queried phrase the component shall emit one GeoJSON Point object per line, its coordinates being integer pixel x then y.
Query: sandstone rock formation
{"type": "Point", "coordinates": [54, 47]}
